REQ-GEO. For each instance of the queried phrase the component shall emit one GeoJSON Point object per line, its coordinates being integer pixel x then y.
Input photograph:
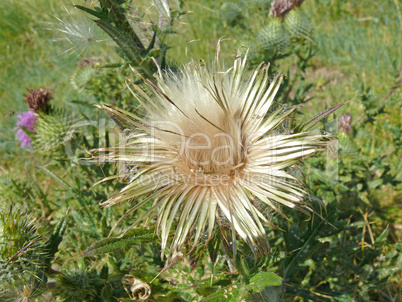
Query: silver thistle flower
{"type": "Point", "coordinates": [211, 150]}
{"type": "Point", "coordinates": [78, 33]}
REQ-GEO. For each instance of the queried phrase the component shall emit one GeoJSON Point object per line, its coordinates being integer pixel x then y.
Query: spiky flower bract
{"type": "Point", "coordinates": [273, 37]}
{"type": "Point", "coordinates": [297, 24]}
{"type": "Point", "coordinates": [211, 150]}
{"type": "Point", "coordinates": [53, 131]}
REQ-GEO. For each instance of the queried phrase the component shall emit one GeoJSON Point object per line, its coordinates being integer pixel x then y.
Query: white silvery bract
{"type": "Point", "coordinates": [166, 18]}
{"type": "Point", "coordinates": [77, 31]}
{"type": "Point", "coordinates": [163, 7]}
{"type": "Point", "coordinates": [210, 150]}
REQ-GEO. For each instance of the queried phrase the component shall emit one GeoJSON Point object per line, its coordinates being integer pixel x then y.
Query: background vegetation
{"type": "Point", "coordinates": [49, 213]}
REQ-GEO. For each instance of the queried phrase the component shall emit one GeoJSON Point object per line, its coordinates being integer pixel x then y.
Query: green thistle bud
{"type": "Point", "coordinates": [346, 145]}
{"type": "Point", "coordinates": [297, 24]}
{"type": "Point", "coordinates": [82, 77]}
{"type": "Point", "coordinates": [53, 131]}
{"type": "Point", "coordinates": [230, 13]}
{"type": "Point", "coordinates": [79, 286]}
{"type": "Point", "coordinates": [274, 37]}
{"type": "Point", "coordinates": [21, 268]}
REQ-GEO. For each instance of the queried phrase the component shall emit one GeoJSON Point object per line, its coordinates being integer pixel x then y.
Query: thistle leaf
{"type": "Point", "coordinates": [35, 186]}
{"type": "Point", "coordinates": [130, 50]}
{"type": "Point", "coordinates": [52, 245]}
{"type": "Point", "coordinates": [133, 237]}
{"type": "Point", "coordinates": [93, 12]}
{"type": "Point", "coordinates": [122, 123]}
{"type": "Point", "coordinates": [213, 247]}
{"type": "Point", "coordinates": [263, 279]}
{"type": "Point", "coordinates": [55, 178]}
{"type": "Point", "coordinates": [242, 266]}
{"type": "Point", "coordinates": [316, 118]}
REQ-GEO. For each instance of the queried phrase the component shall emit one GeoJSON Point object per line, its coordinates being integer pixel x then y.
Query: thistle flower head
{"type": "Point", "coordinates": [211, 150]}
{"type": "Point", "coordinates": [78, 33]}
{"type": "Point", "coordinates": [262, 4]}
{"type": "Point", "coordinates": [27, 120]}
{"type": "Point", "coordinates": [279, 8]}
{"type": "Point", "coordinates": [38, 100]}
{"type": "Point", "coordinates": [345, 122]}
{"type": "Point", "coordinates": [346, 143]}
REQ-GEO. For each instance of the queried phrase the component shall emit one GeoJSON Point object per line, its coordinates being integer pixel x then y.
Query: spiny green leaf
{"type": "Point", "coordinates": [383, 236]}
{"type": "Point", "coordinates": [54, 241]}
{"type": "Point", "coordinates": [38, 191]}
{"type": "Point", "coordinates": [92, 12]}
{"type": "Point", "coordinates": [133, 237]}
{"type": "Point", "coordinates": [213, 246]}
{"type": "Point", "coordinates": [242, 266]}
{"type": "Point", "coordinates": [55, 178]}
{"type": "Point", "coordinates": [263, 279]}
{"type": "Point", "coordinates": [131, 50]}
{"type": "Point", "coordinates": [315, 119]}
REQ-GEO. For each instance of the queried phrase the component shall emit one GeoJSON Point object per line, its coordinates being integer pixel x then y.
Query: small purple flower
{"type": "Point", "coordinates": [26, 119]}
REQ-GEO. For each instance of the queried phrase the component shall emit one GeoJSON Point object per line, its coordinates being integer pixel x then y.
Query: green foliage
{"type": "Point", "coordinates": [261, 280]}
{"type": "Point", "coordinates": [75, 286]}
{"type": "Point", "coordinates": [102, 83]}
{"type": "Point", "coordinates": [133, 237]}
{"type": "Point", "coordinates": [113, 18]}
{"type": "Point", "coordinates": [13, 188]}
{"type": "Point", "coordinates": [52, 244]}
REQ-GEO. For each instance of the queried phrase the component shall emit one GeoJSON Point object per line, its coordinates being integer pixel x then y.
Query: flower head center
{"type": "Point", "coordinates": [210, 159]}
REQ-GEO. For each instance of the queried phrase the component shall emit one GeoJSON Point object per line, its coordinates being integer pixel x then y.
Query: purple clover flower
{"type": "Point", "coordinates": [27, 120]}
